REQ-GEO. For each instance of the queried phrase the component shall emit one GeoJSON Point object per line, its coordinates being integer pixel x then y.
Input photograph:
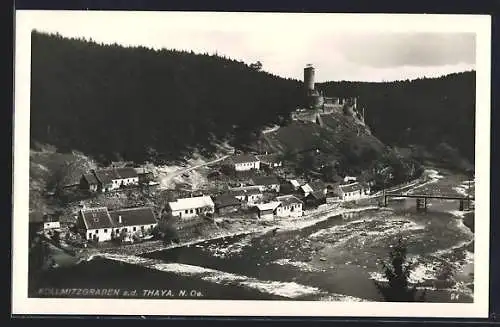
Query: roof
{"type": "Point", "coordinates": [351, 187]}
{"type": "Point", "coordinates": [317, 194]}
{"type": "Point", "coordinates": [90, 178]}
{"type": "Point", "coordinates": [96, 218]}
{"type": "Point", "coordinates": [295, 183]}
{"type": "Point", "coordinates": [133, 216]}
{"type": "Point", "coordinates": [191, 203]}
{"type": "Point", "coordinates": [243, 158]}
{"type": "Point", "coordinates": [269, 158]}
{"type": "Point", "coordinates": [268, 206]}
{"type": "Point", "coordinates": [317, 186]}
{"type": "Point", "coordinates": [288, 199]}
{"type": "Point", "coordinates": [245, 191]}
{"type": "Point", "coordinates": [265, 180]}
{"type": "Point", "coordinates": [226, 200]}
{"type": "Point", "coordinates": [306, 188]}
{"type": "Point", "coordinates": [106, 176]}
{"type": "Point", "coordinates": [127, 172]}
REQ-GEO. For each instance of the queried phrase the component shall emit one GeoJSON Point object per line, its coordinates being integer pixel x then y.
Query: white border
{"type": "Point", "coordinates": [21, 304]}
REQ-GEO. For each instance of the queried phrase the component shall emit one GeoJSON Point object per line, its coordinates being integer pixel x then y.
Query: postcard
{"type": "Point", "coordinates": [263, 164]}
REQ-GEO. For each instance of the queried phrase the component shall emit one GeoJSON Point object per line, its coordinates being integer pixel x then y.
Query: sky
{"type": "Point", "coordinates": [340, 47]}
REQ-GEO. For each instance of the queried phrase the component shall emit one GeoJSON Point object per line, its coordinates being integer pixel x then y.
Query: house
{"type": "Point", "coordinates": [192, 206]}
{"type": "Point", "coordinates": [250, 195]}
{"type": "Point", "coordinates": [349, 179]}
{"type": "Point", "coordinates": [95, 224]}
{"type": "Point", "coordinates": [314, 187]}
{"type": "Point", "coordinates": [133, 220]}
{"type": "Point", "coordinates": [109, 179]}
{"type": "Point", "coordinates": [89, 182]}
{"type": "Point", "coordinates": [270, 161]}
{"type": "Point", "coordinates": [351, 192]}
{"type": "Point", "coordinates": [245, 162]}
{"type": "Point", "coordinates": [315, 198]}
{"type": "Point", "coordinates": [99, 224]}
{"type": "Point", "coordinates": [267, 211]}
{"type": "Point", "coordinates": [266, 183]}
{"type": "Point", "coordinates": [226, 203]}
{"type": "Point", "coordinates": [290, 206]}
{"type": "Point", "coordinates": [144, 176]}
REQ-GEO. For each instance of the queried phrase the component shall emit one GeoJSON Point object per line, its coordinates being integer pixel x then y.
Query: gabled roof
{"type": "Point", "coordinates": [96, 218]}
{"type": "Point", "coordinates": [306, 188]}
{"type": "Point", "coordinates": [91, 179]}
{"type": "Point", "coordinates": [106, 176]}
{"type": "Point", "coordinates": [244, 158]}
{"type": "Point", "coordinates": [265, 180]}
{"type": "Point", "coordinates": [127, 172]}
{"type": "Point", "coordinates": [133, 216]}
{"type": "Point", "coordinates": [288, 199]}
{"type": "Point", "coordinates": [191, 203]}
{"type": "Point", "coordinates": [294, 183]}
{"type": "Point", "coordinates": [226, 200]}
{"type": "Point", "coordinates": [351, 187]}
{"type": "Point", "coordinates": [267, 206]}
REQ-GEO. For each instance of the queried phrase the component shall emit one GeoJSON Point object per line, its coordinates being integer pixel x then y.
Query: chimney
{"type": "Point", "coordinates": [119, 219]}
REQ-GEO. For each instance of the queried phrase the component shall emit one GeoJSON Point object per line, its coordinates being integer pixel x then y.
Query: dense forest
{"type": "Point", "coordinates": [438, 113]}
{"type": "Point", "coordinates": [133, 103]}
{"type": "Point", "coordinates": [139, 104]}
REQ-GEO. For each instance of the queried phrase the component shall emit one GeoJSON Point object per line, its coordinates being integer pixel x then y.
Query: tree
{"type": "Point", "coordinates": [256, 66]}
{"type": "Point", "coordinates": [397, 272]}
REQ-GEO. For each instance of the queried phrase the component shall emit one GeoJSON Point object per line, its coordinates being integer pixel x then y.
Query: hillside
{"type": "Point", "coordinates": [114, 103]}
{"type": "Point", "coordinates": [437, 113]}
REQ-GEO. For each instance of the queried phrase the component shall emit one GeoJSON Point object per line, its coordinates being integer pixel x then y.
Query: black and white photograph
{"type": "Point", "coordinates": [251, 163]}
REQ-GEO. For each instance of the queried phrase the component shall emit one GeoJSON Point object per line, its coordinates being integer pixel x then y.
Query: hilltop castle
{"type": "Point", "coordinates": [316, 104]}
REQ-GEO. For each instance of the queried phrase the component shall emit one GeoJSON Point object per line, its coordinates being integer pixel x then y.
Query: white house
{"type": "Point", "coordinates": [290, 206]}
{"type": "Point", "coordinates": [110, 179]}
{"type": "Point", "coordinates": [267, 211]}
{"type": "Point", "coordinates": [245, 162]}
{"type": "Point", "coordinates": [51, 225]}
{"type": "Point", "coordinates": [348, 179]}
{"type": "Point", "coordinates": [99, 224]}
{"type": "Point", "coordinates": [192, 207]}
{"type": "Point", "coordinates": [351, 192]}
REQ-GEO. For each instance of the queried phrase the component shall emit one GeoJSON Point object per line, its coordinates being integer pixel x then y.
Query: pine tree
{"type": "Point", "coordinates": [397, 272]}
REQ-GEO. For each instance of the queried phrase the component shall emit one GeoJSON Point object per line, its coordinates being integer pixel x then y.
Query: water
{"type": "Point", "coordinates": [336, 259]}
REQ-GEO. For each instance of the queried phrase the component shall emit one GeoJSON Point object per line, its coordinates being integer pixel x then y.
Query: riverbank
{"type": "Point", "coordinates": [232, 228]}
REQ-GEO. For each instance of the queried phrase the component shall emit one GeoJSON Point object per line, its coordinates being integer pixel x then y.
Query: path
{"type": "Point", "coordinates": [168, 179]}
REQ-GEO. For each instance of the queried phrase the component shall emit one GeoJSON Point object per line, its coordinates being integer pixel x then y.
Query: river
{"type": "Point", "coordinates": [337, 259]}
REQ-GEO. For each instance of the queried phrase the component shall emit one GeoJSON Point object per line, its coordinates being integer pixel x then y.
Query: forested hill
{"type": "Point", "coordinates": [108, 100]}
{"type": "Point", "coordinates": [438, 113]}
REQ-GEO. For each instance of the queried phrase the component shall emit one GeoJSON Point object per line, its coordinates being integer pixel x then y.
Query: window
{"type": "Point", "coordinates": [105, 230]}
{"type": "Point", "coordinates": [117, 231]}
{"type": "Point", "coordinates": [151, 226]}
{"type": "Point", "coordinates": [96, 231]}
{"type": "Point", "coordinates": [126, 230]}
{"type": "Point", "coordinates": [191, 211]}
{"type": "Point", "coordinates": [135, 228]}
{"type": "Point", "coordinates": [142, 227]}
{"type": "Point", "coordinates": [186, 211]}
{"type": "Point", "coordinates": [90, 235]}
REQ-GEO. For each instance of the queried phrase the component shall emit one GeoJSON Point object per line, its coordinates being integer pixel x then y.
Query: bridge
{"type": "Point", "coordinates": [465, 202]}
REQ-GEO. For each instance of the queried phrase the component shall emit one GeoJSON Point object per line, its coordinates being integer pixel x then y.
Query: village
{"type": "Point", "coordinates": [250, 187]}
